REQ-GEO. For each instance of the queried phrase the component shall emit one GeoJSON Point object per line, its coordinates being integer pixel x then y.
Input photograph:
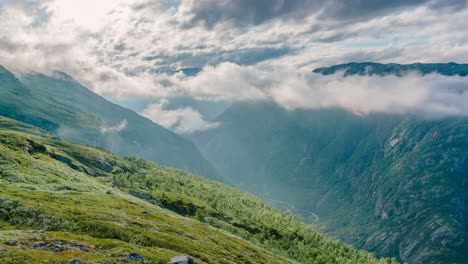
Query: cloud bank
{"type": "Point", "coordinates": [182, 120]}
{"type": "Point", "coordinates": [429, 95]}
{"type": "Point", "coordinates": [248, 49]}
{"type": "Point", "coordinates": [241, 13]}
{"type": "Point", "coordinates": [114, 129]}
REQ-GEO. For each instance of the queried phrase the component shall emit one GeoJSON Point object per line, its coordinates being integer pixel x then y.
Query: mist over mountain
{"type": "Point", "coordinates": [395, 185]}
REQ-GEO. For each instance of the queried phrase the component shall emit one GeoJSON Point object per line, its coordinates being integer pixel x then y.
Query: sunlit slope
{"type": "Point", "coordinates": [101, 207]}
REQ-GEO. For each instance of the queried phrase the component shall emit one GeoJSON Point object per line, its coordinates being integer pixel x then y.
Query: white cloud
{"type": "Point", "coordinates": [431, 95]}
{"type": "Point", "coordinates": [182, 120]}
{"type": "Point", "coordinates": [114, 129]}
{"type": "Point", "coordinates": [116, 48]}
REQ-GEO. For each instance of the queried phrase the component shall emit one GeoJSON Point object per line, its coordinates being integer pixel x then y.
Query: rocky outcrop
{"type": "Point", "coordinates": [134, 257]}
{"type": "Point", "coordinates": [182, 260]}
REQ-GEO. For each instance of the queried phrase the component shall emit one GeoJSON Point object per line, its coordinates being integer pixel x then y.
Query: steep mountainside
{"type": "Point", "coordinates": [61, 201]}
{"type": "Point", "coordinates": [394, 185]}
{"type": "Point", "coordinates": [61, 105]}
{"type": "Point", "coordinates": [371, 68]}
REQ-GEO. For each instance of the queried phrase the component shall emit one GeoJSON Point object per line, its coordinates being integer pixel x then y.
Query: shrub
{"type": "Point", "coordinates": [13, 212]}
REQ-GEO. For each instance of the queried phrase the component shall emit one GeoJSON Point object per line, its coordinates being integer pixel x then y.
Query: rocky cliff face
{"type": "Point", "coordinates": [391, 184]}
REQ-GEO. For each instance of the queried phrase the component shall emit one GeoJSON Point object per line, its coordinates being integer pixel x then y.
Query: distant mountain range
{"type": "Point", "coordinates": [373, 68]}
{"type": "Point", "coordinates": [62, 106]}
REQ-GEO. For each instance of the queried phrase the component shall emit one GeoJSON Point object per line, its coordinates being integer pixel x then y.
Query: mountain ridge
{"type": "Point", "coordinates": [382, 69]}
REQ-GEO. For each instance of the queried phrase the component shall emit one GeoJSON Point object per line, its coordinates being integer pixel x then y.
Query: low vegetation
{"type": "Point", "coordinates": [86, 203]}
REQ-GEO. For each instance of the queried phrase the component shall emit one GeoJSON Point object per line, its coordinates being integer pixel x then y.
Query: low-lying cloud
{"type": "Point", "coordinates": [182, 120]}
{"type": "Point", "coordinates": [254, 50]}
{"type": "Point", "coordinates": [114, 129]}
{"type": "Point", "coordinates": [429, 95]}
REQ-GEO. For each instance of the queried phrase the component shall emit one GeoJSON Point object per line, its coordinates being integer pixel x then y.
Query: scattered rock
{"type": "Point", "coordinates": [59, 246]}
{"type": "Point", "coordinates": [32, 147]}
{"type": "Point", "coordinates": [11, 243]}
{"type": "Point", "coordinates": [90, 172]}
{"type": "Point", "coordinates": [182, 260]}
{"type": "Point", "coordinates": [78, 246]}
{"type": "Point", "coordinates": [41, 245]}
{"type": "Point", "coordinates": [65, 160]}
{"type": "Point", "coordinates": [2, 251]}
{"type": "Point", "coordinates": [75, 261]}
{"type": "Point", "coordinates": [104, 248]}
{"type": "Point", "coordinates": [147, 197]}
{"type": "Point", "coordinates": [134, 257]}
{"type": "Point", "coordinates": [104, 164]}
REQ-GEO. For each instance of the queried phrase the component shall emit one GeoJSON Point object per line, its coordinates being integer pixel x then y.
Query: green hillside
{"type": "Point", "coordinates": [61, 105]}
{"type": "Point", "coordinates": [61, 201]}
{"type": "Point", "coordinates": [393, 185]}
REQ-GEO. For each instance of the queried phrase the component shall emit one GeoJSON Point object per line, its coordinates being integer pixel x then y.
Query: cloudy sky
{"type": "Point", "coordinates": [128, 51]}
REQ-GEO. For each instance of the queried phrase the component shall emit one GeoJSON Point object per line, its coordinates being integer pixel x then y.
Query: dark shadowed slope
{"type": "Point", "coordinates": [394, 185]}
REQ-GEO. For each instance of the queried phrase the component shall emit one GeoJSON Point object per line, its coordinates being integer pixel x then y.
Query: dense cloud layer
{"type": "Point", "coordinates": [250, 50]}
{"type": "Point", "coordinates": [182, 120]}
{"type": "Point", "coordinates": [253, 12]}
{"type": "Point", "coordinates": [429, 95]}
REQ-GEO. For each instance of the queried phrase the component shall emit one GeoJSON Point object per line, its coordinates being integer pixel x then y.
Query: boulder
{"type": "Point", "coordinates": [182, 260]}
{"type": "Point", "coordinates": [134, 257]}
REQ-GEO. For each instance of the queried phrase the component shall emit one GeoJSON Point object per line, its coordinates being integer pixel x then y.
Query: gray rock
{"type": "Point", "coordinates": [182, 260]}
{"type": "Point", "coordinates": [78, 246]}
{"type": "Point", "coordinates": [134, 257]}
{"type": "Point", "coordinates": [59, 245]}
{"type": "Point", "coordinates": [75, 261]}
{"type": "Point", "coordinates": [41, 245]}
{"type": "Point", "coordinates": [11, 243]}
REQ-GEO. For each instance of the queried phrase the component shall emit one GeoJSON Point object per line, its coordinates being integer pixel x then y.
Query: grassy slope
{"type": "Point", "coordinates": [111, 205]}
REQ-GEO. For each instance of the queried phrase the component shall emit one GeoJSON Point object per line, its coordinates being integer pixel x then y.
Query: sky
{"type": "Point", "coordinates": [129, 51]}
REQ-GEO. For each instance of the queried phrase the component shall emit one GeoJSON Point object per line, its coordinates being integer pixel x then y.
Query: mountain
{"type": "Point", "coordinates": [394, 185]}
{"type": "Point", "coordinates": [61, 105]}
{"type": "Point", "coordinates": [372, 68]}
{"type": "Point", "coordinates": [53, 192]}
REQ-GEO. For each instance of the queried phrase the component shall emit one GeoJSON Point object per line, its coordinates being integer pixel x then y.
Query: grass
{"type": "Point", "coordinates": [53, 191]}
